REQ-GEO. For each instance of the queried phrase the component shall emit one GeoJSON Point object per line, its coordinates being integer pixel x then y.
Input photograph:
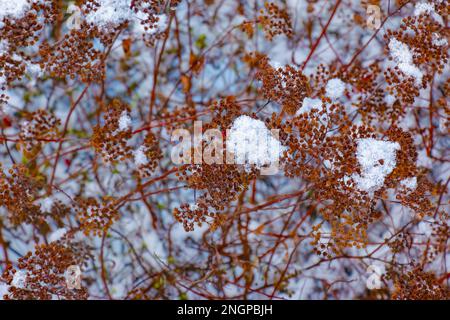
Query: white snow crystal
{"type": "Point", "coordinates": [140, 159]}
{"type": "Point", "coordinates": [409, 183]}
{"type": "Point", "coordinates": [377, 159]}
{"type": "Point", "coordinates": [110, 13]}
{"type": "Point", "coordinates": [404, 59]}
{"type": "Point", "coordinates": [309, 104]}
{"type": "Point", "coordinates": [427, 8]}
{"type": "Point", "coordinates": [124, 121]}
{"type": "Point", "coordinates": [335, 88]}
{"type": "Point", "coordinates": [13, 9]}
{"type": "Point", "coordinates": [115, 12]}
{"type": "Point", "coordinates": [252, 143]}
{"type": "Point", "coordinates": [423, 7]}
{"type": "Point", "coordinates": [57, 234]}
{"type": "Point", "coordinates": [19, 279]}
{"type": "Point", "coordinates": [438, 40]}
{"type": "Point", "coordinates": [193, 206]}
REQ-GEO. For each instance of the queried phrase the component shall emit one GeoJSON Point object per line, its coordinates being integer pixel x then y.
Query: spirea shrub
{"type": "Point", "coordinates": [205, 149]}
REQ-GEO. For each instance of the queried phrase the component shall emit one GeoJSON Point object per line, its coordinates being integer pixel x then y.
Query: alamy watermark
{"type": "Point", "coordinates": [375, 272]}
{"type": "Point", "coordinates": [73, 277]}
{"type": "Point", "coordinates": [373, 20]}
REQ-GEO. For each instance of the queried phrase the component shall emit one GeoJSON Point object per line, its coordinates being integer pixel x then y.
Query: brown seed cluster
{"type": "Point", "coordinates": [422, 34]}
{"type": "Point", "coordinates": [39, 127]}
{"type": "Point", "coordinates": [18, 193]}
{"type": "Point", "coordinates": [417, 284]}
{"type": "Point", "coordinates": [152, 153]}
{"type": "Point", "coordinates": [221, 183]}
{"type": "Point", "coordinates": [75, 55]}
{"type": "Point", "coordinates": [284, 85]}
{"type": "Point", "coordinates": [109, 139]}
{"type": "Point", "coordinates": [19, 33]}
{"type": "Point", "coordinates": [151, 9]}
{"type": "Point", "coordinates": [191, 216]}
{"type": "Point", "coordinates": [327, 160]}
{"type": "Point", "coordinates": [44, 274]}
{"type": "Point", "coordinates": [95, 217]}
{"type": "Point", "coordinates": [275, 21]}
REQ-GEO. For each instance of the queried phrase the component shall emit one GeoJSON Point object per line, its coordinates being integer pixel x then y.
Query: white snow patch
{"type": "Point", "coordinates": [124, 121]}
{"type": "Point", "coordinates": [377, 159]}
{"type": "Point", "coordinates": [404, 59]}
{"type": "Point", "coordinates": [427, 8]}
{"type": "Point", "coordinates": [13, 9]}
{"type": "Point", "coordinates": [19, 279]}
{"type": "Point", "coordinates": [252, 143]}
{"type": "Point", "coordinates": [409, 183]}
{"type": "Point", "coordinates": [438, 41]}
{"type": "Point", "coordinates": [335, 88]}
{"type": "Point", "coordinates": [309, 104]}
{"type": "Point", "coordinates": [193, 206]}
{"type": "Point", "coordinates": [110, 13]}
{"type": "Point", "coordinates": [114, 12]}
{"type": "Point", "coordinates": [423, 7]}
{"type": "Point", "coordinates": [140, 159]}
